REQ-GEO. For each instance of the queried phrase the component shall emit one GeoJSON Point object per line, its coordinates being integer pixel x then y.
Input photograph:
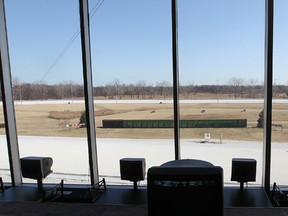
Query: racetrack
{"type": "Point", "coordinates": [221, 101]}
{"type": "Point", "coordinates": [60, 118]}
{"type": "Point", "coordinates": [40, 135]}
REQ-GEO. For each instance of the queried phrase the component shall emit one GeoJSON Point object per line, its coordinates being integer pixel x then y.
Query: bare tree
{"type": "Point", "coordinates": [71, 86]}
{"type": "Point", "coordinates": [188, 89]}
{"type": "Point", "coordinates": [60, 90]}
{"type": "Point", "coordinates": [151, 91]}
{"type": "Point", "coordinates": [39, 91]}
{"type": "Point", "coordinates": [26, 90]}
{"type": "Point", "coordinates": [114, 89]}
{"type": "Point", "coordinates": [109, 90]}
{"type": "Point", "coordinates": [17, 88]}
{"type": "Point", "coordinates": [140, 88]}
{"type": "Point", "coordinates": [251, 88]}
{"type": "Point", "coordinates": [163, 88]}
{"type": "Point", "coordinates": [68, 89]}
{"type": "Point", "coordinates": [117, 88]}
{"type": "Point", "coordinates": [130, 90]}
{"type": "Point", "coordinates": [237, 84]}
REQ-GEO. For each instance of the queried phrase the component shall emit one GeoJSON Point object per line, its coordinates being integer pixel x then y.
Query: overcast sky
{"type": "Point", "coordinates": [131, 40]}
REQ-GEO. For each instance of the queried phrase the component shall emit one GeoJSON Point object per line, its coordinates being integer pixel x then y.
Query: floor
{"type": "Point", "coordinates": [25, 200]}
{"type": "Point", "coordinates": [84, 209]}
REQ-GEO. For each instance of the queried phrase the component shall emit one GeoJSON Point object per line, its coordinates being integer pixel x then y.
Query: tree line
{"type": "Point", "coordinates": [234, 88]}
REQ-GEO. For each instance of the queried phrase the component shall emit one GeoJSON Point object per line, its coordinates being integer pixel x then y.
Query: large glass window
{"type": "Point", "coordinates": [46, 64]}
{"type": "Point", "coordinates": [221, 49]}
{"type": "Point", "coordinates": [131, 53]}
{"type": "Point", "coordinates": [279, 114]}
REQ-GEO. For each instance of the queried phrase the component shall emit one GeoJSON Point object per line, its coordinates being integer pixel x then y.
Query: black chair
{"type": "Point", "coordinates": [278, 197]}
{"type": "Point", "coordinates": [185, 191]}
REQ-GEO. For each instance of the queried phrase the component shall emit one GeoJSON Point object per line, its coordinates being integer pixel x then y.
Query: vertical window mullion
{"type": "Point", "coordinates": [8, 102]}
{"type": "Point", "coordinates": [268, 93]}
{"type": "Point", "coordinates": [88, 90]}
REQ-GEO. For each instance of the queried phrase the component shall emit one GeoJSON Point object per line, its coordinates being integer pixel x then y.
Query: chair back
{"type": "Point", "coordinates": [185, 191]}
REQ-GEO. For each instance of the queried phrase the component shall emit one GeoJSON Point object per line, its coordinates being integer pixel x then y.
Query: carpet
{"type": "Point", "coordinates": [81, 209]}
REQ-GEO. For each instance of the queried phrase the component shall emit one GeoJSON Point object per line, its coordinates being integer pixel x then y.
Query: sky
{"type": "Point", "coordinates": [131, 41]}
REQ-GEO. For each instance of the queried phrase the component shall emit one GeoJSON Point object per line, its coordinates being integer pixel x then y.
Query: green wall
{"type": "Point", "coordinates": [199, 123]}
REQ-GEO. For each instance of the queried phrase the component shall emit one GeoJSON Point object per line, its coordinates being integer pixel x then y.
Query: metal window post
{"type": "Point", "coordinates": [175, 79]}
{"type": "Point", "coordinates": [8, 102]}
{"type": "Point", "coordinates": [88, 89]}
{"type": "Point", "coordinates": [268, 93]}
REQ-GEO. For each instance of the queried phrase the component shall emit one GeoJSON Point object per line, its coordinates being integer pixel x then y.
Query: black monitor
{"type": "Point", "coordinates": [185, 191]}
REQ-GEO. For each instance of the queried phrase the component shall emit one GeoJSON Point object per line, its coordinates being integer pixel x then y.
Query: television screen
{"type": "Point", "coordinates": [185, 191]}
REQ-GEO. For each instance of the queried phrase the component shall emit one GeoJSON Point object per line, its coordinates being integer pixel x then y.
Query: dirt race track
{"type": "Point", "coordinates": [60, 118]}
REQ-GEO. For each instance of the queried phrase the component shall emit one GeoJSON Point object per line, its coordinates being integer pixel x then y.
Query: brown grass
{"type": "Point", "coordinates": [64, 115]}
{"type": "Point", "coordinates": [52, 120]}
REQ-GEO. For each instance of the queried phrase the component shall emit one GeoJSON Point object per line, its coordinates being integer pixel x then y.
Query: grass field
{"type": "Point", "coordinates": [52, 120]}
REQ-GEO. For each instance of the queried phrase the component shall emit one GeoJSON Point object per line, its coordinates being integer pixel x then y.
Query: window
{"type": "Point", "coordinates": [279, 108]}
{"type": "Point", "coordinates": [221, 78]}
{"type": "Point", "coordinates": [131, 53]}
{"type": "Point", "coordinates": [45, 55]}
{"type": "Point", "coordinates": [221, 49]}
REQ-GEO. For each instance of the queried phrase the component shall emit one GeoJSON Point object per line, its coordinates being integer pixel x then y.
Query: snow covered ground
{"type": "Point", "coordinates": [225, 101]}
{"type": "Point", "coordinates": [70, 156]}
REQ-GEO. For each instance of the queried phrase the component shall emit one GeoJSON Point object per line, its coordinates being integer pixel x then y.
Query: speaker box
{"type": "Point", "coordinates": [243, 169]}
{"type": "Point", "coordinates": [132, 169]}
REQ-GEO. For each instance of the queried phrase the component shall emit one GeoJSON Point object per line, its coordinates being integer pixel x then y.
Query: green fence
{"type": "Point", "coordinates": [199, 123]}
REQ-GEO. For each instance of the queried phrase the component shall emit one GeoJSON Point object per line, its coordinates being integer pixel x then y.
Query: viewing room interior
{"type": "Point", "coordinates": [169, 155]}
